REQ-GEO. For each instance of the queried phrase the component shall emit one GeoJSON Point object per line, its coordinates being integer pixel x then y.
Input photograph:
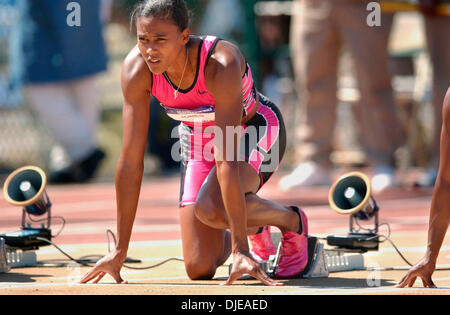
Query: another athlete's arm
{"type": "Point", "coordinates": [136, 81]}
{"type": "Point", "coordinates": [439, 213]}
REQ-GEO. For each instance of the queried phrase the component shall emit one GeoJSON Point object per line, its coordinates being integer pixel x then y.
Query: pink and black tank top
{"type": "Point", "coordinates": [196, 104]}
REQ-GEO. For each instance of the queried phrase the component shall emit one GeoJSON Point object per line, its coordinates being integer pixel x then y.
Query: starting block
{"type": "Point", "coordinates": [315, 268]}
{"type": "Point", "coordinates": [321, 261]}
{"type": "Point", "coordinates": [18, 258]}
{"type": "Point", "coordinates": [4, 267]}
{"type": "Point", "coordinates": [11, 257]}
{"type": "Point", "coordinates": [341, 260]}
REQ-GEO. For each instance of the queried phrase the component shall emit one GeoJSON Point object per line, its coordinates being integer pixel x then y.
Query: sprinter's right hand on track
{"type": "Point", "coordinates": [243, 264]}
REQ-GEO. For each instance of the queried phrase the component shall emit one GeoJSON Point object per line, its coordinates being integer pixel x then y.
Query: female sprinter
{"type": "Point", "coordinates": [204, 82]}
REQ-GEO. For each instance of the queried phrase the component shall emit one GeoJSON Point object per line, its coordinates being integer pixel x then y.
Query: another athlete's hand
{"type": "Point", "coordinates": [423, 269]}
{"type": "Point", "coordinates": [243, 263]}
{"type": "Point", "coordinates": [110, 264]}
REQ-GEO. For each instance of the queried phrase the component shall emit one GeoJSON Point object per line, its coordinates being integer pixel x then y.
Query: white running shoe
{"type": "Point", "coordinates": [306, 174]}
{"type": "Point", "coordinates": [384, 177]}
{"type": "Point", "coordinates": [428, 179]}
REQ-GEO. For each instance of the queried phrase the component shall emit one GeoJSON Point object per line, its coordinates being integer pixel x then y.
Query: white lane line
{"type": "Point", "coordinates": [100, 229]}
{"type": "Point", "coordinates": [350, 291]}
{"type": "Point", "coordinates": [15, 285]}
{"type": "Point", "coordinates": [140, 244]}
{"type": "Point", "coordinates": [419, 249]}
{"type": "Point", "coordinates": [317, 290]}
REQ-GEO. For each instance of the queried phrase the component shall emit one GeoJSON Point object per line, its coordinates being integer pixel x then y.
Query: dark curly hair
{"type": "Point", "coordinates": [175, 10]}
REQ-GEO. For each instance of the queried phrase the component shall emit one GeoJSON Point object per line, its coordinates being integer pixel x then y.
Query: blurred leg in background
{"type": "Point", "coordinates": [321, 28]}
{"type": "Point", "coordinates": [70, 111]}
{"type": "Point", "coordinates": [438, 42]}
{"type": "Point", "coordinates": [61, 61]}
{"type": "Point", "coordinates": [315, 46]}
{"type": "Point", "coordinates": [380, 130]}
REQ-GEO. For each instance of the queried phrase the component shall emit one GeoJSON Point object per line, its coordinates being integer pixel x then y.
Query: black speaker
{"type": "Point", "coordinates": [352, 195]}
{"type": "Point", "coordinates": [25, 187]}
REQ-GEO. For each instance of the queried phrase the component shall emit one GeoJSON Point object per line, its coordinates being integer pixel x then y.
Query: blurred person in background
{"type": "Point", "coordinates": [63, 51]}
{"type": "Point", "coordinates": [437, 30]}
{"type": "Point", "coordinates": [320, 29]}
{"type": "Point", "coordinates": [225, 26]}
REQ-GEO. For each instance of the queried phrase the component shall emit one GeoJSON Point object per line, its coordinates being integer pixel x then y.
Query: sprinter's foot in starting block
{"type": "Point", "coordinates": [315, 268]}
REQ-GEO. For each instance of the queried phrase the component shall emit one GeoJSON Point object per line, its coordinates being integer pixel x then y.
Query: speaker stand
{"type": "Point", "coordinates": [28, 224]}
{"type": "Point", "coordinates": [354, 230]}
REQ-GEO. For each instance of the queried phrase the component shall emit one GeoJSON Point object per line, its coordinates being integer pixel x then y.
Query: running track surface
{"type": "Point", "coordinates": [90, 209]}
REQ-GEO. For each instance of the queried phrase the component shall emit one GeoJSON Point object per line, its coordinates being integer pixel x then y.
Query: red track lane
{"type": "Point", "coordinates": [90, 209]}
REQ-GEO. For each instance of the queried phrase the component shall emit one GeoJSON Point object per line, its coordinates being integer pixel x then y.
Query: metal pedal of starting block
{"type": "Point", "coordinates": [317, 268]}
{"type": "Point", "coordinates": [326, 261]}
{"type": "Point", "coordinates": [4, 267]}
